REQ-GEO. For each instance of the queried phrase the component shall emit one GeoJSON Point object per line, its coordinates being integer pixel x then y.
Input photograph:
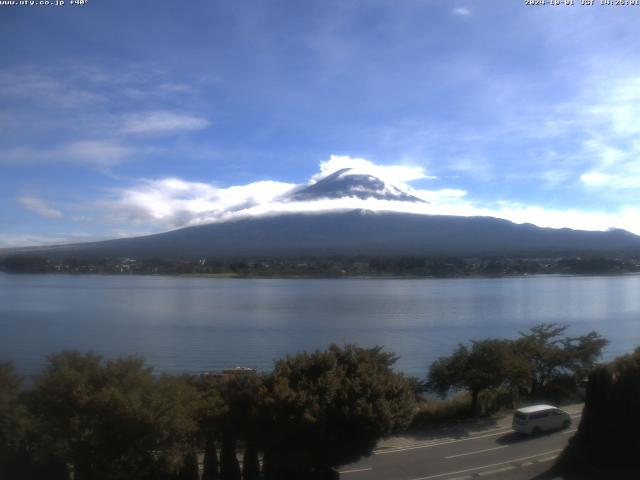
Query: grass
{"type": "Point", "coordinates": [435, 411]}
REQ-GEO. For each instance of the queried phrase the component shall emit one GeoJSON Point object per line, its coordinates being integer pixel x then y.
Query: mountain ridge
{"type": "Point", "coordinates": [352, 232]}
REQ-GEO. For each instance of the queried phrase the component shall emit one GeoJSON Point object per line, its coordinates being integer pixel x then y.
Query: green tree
{"type": "Point", "coordinates": [231, 410]}
{"type": "Point", "coordinates": [211, 412]}
{"type": "Point", "coordinates": [487, 364]}
{"type": "Point", "coordinates": [330, 407]}
{"type": "Point", "coordinates": [243, 397]}
{"type": "Point", "coordinates": [112, 420]}
{"type": "Point", "coordinates": [551, 354]}
{"type": "Point", "coordinates": [607, 442]}
{"type": "Point", "coordinates": [13, 424]}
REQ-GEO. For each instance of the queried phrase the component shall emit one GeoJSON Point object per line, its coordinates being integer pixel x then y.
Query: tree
{"type": "Point", "coordinates": [24, 264]}
{"type": "Point", "coordinates": [13, 425]}
{"type": "Point", "coordinates": [9, 404]}
{"type": "Point", "coordinates": [550, 354]}
{"type": "Point", "coordinates": [210, 467]}
{"type": "Point", "coordinates": [488, 364]}
{"type": "Point", "coordinates": [112, 420]}
{"type": "Point", "coordinates": [243, 397]}
{"type": "Point", "coordinates": [330, 407]}
{"type": "Point", "coordinates": [211, 411]}
{"type": "Point", "coordinates": [607, 442]}
{"type": "Point", "coordinates": [229, 411]}
{"type": "Point", "coordinates": [189, 469]}
{"type": "Point", "coordinates": [229, 466]}
{"type": "Point", "coordinates": [250, 463]}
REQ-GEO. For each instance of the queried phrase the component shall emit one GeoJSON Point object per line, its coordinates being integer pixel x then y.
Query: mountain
{"type": "Point", "coordinates": [353, 233]}
{"type": "Point", "coordinates": [348, 183]}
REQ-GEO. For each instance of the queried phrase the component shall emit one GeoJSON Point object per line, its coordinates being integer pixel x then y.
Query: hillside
{"type": "Point", "coordinates": [357, 232]}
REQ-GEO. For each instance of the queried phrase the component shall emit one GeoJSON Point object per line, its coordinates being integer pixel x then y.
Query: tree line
{"type": "Point", "coordinates": [543, 363]}
{"type": "Point", "coordinates": [91, 419]}
{"type": "Point", "coordinates": [425, 266]}
{"type": "Point", "coordinates": [607, 442]}
{"type": "Point", "coordinates": [88, 418]}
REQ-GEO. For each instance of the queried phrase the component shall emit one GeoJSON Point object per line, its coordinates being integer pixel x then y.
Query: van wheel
{"type": "Point", "coordinates": [536, 430]}
{"type": "Point", "coordinates": [566, 424]}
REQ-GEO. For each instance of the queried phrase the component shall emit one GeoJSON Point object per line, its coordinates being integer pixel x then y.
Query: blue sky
{"type": "Point", "coordinates": [120, 118]}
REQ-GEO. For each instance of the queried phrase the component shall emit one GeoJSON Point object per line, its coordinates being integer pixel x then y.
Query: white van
{"type": "Point", "coordinates": [538, 418]}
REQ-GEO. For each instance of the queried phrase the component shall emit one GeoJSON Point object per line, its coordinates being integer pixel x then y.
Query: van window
{"type": "Point", "coordinates": [521, 416]}
{"type": "Point", "coordinates": [537, 415]}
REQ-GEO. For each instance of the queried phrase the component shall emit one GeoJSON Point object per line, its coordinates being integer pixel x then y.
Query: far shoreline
{"type": "Point", "coordinates": [235, 276]}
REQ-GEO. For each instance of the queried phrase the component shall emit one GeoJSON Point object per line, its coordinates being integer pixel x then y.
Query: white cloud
{"type": "Point", "coordinates": [99, 153]}
{"type": "Point", "coordinates": [627, 218]}
{"type": "Point", "coordinates": [461, 12]}
{"type": "Point", "coordinates": [398, 175]}
{"type": "Point", "coordinates": [34, 85]}
{"type": "Point", "coordinates": [40, 207]}
{"type": "Point", "coordinates": [613, 167]}
{"type": "Point", "coordinates": [161, 204]}
{"type": "Point", "coordinates": [439, 196]}
{"type": "Point", "coordinates": [175, 202]}
{"type": "Point", "coordinates": [162, 121]}
{"type": "Point", "coordinates": [172, 202]}
{"type": "Point", "coordinates": [595, 179]}
{"type": "Point", "coordinates": [606, 123]}
{"type": "Point", "coordinates": [19, 240]}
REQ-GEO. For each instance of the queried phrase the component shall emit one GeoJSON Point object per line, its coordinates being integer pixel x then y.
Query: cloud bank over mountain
{"type": "Point", "coordinates": [168, 203]}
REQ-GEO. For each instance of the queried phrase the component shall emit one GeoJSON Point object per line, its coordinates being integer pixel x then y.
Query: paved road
{"type": "Point", "coordinates": [492, 452]}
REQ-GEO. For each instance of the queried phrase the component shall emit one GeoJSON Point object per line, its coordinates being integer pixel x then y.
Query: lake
{"type": "Point", "coordinates": [190, 324]}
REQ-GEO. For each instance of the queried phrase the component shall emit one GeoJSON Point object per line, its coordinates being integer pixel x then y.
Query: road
{"type": "Point", "coordinates": [488, 453]}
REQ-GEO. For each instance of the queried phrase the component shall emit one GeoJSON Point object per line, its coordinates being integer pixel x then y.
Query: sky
{"type": "Point", "coordinates": [122, 118]}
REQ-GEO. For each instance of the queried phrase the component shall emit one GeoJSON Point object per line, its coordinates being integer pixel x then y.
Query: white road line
{"type": "Point", "coordinates": [439, 441]}
{"type": "Point", "coordinates": [487, 466]}
{"type": "Point", "coordinates": [355, 470]}
{"type": "Point", "coordinates": [546, 459]}
{"type": "Point", "coordinates": [570, 431]}
{"type": "Point", "coordinates": [477, 451]}
{"type": "Point", "coordinates": [496, 471]}
{"type": "Point", "coordinates": [383, 452]}
{"type": "Point", "coordinates": [472, 436]}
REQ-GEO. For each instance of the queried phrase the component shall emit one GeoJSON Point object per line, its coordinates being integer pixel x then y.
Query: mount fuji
{"type": "Point", "coordinates": [348, 182]}
{"type": "Point", "coordinates": [350, 232]}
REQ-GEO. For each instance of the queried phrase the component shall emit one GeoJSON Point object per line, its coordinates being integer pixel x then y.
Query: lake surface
{"type": "Point", "coordinates": [187, 324]}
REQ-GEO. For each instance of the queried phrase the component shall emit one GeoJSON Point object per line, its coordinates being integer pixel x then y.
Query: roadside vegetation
{"type": "Point", "coordinates": [542, 364]}
{"type": "Point", "coordinates": [607, 442]}
{"type": "Point", "coordinates": [114, 419]}
{"type": "Point", "coordinates": [89, 418]}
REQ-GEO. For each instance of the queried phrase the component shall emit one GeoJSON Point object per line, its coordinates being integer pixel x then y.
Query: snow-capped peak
{"type": "Point", "coordinates": [351, 182]}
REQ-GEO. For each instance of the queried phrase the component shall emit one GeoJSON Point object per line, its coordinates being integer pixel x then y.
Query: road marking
{"type": "Point", "coordinates": [546, 459]}
{"type": "Point", "coordinates": [570, 431]}
{"type": "Point", "coordinates": [487, 466]}
{"type": "Point", "coordinates": [383, 452]}
{"type": "Point", "coordinates": [472, 436]}
{"type": "Point", "coordinates": [477, 451]}
{"type": "Point", "coordinates": [355, 470]}
{"type": "Point", "coordinates": [496, 471]}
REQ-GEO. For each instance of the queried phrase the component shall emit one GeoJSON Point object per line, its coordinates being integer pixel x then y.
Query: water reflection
{"type": "Point", "coordinates": [194, 324]}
